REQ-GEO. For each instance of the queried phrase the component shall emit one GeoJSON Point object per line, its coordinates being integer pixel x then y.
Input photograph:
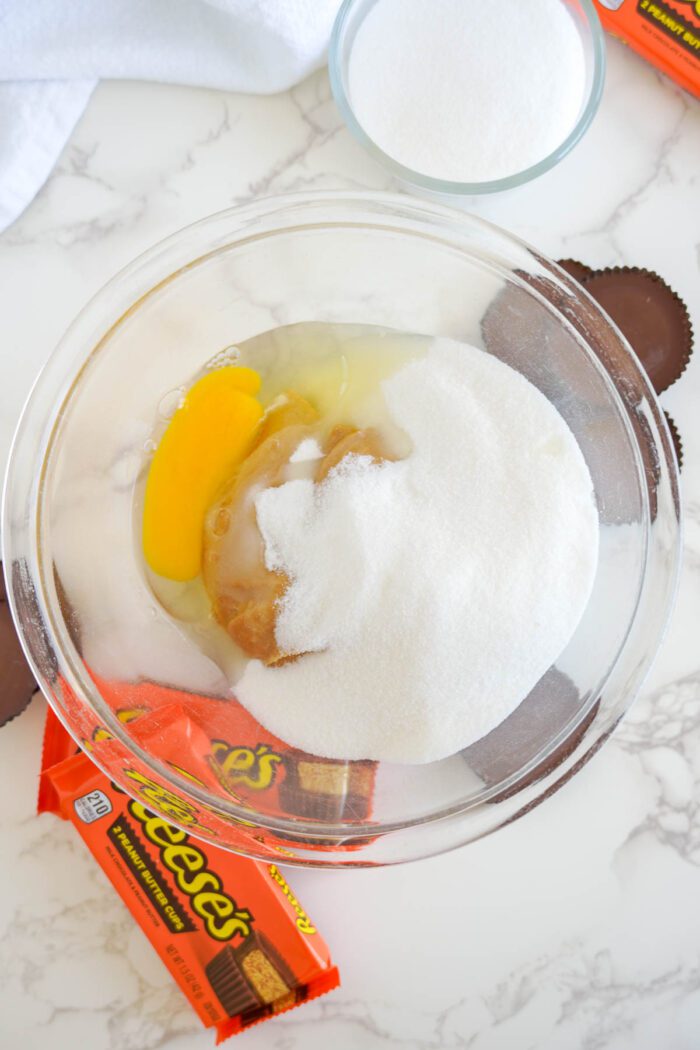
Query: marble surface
{"type": "Point", "coordinates": [577, 927]}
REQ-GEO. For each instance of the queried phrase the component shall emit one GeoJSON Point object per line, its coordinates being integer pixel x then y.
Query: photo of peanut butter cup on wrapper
{"type": "Point", "coordinates": [252, 980]}
{"type": "Point", "coordinates": [17, 683]}
{"type": "Point", "coordinates": [327, 789]}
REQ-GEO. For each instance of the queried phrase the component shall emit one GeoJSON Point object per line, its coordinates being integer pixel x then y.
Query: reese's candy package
{"type": "Point", "coordinates": [218, 746]}
{"type": "Point", "coordinates": [665, 32]}
{"type": "Point", "coordinates": [229, 929]}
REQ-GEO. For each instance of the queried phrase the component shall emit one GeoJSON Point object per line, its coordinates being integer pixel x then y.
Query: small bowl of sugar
{"type": "Point", "coordinates": [461, 98]}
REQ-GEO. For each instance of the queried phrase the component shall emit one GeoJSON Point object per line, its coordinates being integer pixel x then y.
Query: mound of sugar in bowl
{"type": "Point", "coordinates": [428, 595]}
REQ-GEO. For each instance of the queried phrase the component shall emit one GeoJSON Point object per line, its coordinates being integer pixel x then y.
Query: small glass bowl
{"type": "Point", "coordinates": [350, 18]}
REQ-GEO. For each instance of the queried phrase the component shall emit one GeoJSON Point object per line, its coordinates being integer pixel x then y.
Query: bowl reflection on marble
{"type": "Point", "coordinates": [152, 708]}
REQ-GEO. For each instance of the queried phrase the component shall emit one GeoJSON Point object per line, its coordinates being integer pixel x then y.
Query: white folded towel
{"type": "Point", "coordinates": [53, 51]}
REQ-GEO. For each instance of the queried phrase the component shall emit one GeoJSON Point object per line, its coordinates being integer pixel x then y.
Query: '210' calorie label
{"type": "Point", "coordinates": [92, 806]}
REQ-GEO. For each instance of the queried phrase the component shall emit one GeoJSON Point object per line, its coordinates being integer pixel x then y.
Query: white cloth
{"type": "Point", "coordinates": [260, 46]}
{"type": "Point", "coordinates": [36, 118]}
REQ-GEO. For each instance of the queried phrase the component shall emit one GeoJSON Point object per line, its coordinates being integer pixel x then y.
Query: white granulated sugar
{"type": "Point", "coordinates": [455, 90]}
{"type": "Point", "coordinates": [429, 594]}
{"type": "Point", "coordinates": [306, 451]}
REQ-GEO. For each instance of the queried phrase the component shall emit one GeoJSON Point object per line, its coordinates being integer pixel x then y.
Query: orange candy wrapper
{"type": "Point", "coordinates": [216, 746]}
{"type": "Point", "coordinates": [229, 929]}
{"type": "Point", "coordinates": [665, 32]}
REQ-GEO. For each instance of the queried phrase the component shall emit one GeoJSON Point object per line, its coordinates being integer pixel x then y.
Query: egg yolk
{"type": "Point", "coordinates": [207, 438]}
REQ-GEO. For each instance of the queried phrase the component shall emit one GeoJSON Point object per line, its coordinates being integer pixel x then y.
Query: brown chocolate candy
{"type": "Point", "coordinates": [653, 318]}
{"type": "Point", "coordinates": [578, 270]}
{"type": "Point", "coordinates": [519, 329]}
{"type": "Point", "coordinates": [17, 684]}
{"type": "Point", "coordinates": [551, 705]}
{"type": "Point", "coordinates": [676, 438]}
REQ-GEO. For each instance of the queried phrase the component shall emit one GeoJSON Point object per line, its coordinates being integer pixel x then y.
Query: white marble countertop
{"type": "Point", "coordinates": [577, 927]}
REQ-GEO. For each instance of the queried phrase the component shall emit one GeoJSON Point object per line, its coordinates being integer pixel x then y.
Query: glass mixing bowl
{"type": "Point", "coordinates": [131, 686]}
{"type": "Point", "coordinates": [351, 16]}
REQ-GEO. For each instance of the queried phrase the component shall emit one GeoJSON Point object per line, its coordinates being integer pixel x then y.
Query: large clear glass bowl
{"type": "Point", "coordinates": [132, 687]}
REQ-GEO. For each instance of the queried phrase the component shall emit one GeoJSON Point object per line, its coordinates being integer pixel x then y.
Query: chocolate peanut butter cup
{"type": "Point", "coordinates": [650, 315]}
{"type": "Point", "coordinates": [676, 438]}
{"type": "Point", "coordinates": [17, 683]}
{"type": "Point", "coordinates": [499, 756]}
{"type": "Point", "coordinates": [578, 270]}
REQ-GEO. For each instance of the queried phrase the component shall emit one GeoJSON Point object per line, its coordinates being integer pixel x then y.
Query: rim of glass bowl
{"type": "Point", "coordinates": [337, 69]}
{"type": "Point", "coordinates": [40, 425]}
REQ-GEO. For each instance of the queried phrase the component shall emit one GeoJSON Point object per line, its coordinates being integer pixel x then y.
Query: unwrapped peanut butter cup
{"type": "Point", "coordinates": [578, 270]}
{"type": "Point", "coordinates": [676, 438]}
{"type": "Point", "coordinates": [17, 684]}
{"type": "Point", "coordinates": [553, 703]}
{"type": "Point", "coordinates": [653, 318]}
